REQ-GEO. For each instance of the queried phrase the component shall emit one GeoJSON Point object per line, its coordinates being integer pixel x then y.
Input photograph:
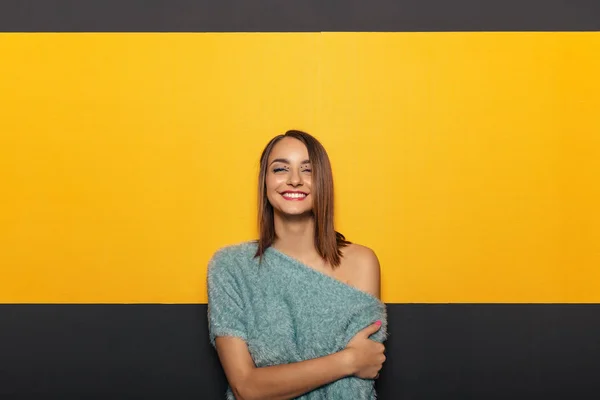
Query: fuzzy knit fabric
{"type": "Point", "coordinates": [287, 312]}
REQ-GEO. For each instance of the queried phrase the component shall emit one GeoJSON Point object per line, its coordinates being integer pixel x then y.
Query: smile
{"type": "Point", "coordinates": [294, 195]}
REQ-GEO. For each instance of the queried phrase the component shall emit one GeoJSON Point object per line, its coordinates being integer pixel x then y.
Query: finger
{"type": "Point", "coordinates": [371, 329]}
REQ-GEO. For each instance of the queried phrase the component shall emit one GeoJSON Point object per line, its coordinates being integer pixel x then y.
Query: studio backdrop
{"type": "Point", "coordinates": [465, 142]}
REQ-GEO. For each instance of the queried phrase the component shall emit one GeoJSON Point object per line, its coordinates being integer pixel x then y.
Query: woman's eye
{"type": "Point", "coordinates": [278, 169]}
{"type": "Point", "coordinates": [307, 170]}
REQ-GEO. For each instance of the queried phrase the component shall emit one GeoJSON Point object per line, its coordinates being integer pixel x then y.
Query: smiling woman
{"type": "Point", "coordinates": [297, 314]}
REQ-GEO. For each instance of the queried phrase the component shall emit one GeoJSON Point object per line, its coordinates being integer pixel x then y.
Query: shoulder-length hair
{"type": "Point", "coordinates": [328, 242]}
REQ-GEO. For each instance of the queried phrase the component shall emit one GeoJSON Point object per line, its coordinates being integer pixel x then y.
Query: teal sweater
{"type": "Point", "coordinates": [287, 312]}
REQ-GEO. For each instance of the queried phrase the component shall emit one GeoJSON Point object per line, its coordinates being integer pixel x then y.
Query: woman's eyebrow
{"type": "Point", "coordinates": [286, 161]}
{"type": "Point", "coordinates": [281, 160]}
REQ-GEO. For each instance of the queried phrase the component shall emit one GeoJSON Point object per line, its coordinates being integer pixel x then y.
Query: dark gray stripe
{"type": "Point", "coordinates": [297, 15]}
{"type": "Point", "coordinates": [449, 351]}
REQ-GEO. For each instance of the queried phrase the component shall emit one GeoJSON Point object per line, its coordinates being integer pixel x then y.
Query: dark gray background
{"type": "Point", "coordinates": [435, 351]}
{"type": "Point", "coordinates": [298, 15]}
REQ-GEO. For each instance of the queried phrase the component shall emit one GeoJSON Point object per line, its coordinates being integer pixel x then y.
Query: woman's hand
{"type": "Point", "coordinates": [365, 355]}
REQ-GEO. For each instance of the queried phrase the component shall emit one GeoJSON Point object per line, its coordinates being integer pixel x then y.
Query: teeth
{"type": "Point", "coordinates": [294, 195]}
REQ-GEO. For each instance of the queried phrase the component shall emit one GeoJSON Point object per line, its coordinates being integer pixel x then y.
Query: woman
{"type": "Point", "coordinates": [297, 313]}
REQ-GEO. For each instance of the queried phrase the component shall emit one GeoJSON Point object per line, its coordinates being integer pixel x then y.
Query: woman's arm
{"type": "Point", "coordinates": [362, 356]}
{"type": "Point", "coordinates": [276, 382]}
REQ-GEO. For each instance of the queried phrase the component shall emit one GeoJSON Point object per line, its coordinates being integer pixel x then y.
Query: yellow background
{"type": "Point", "coordinates": [470, 162]}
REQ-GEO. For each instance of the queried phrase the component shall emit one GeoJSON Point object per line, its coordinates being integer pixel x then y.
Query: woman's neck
{"type": "Point", "coordinates": [295, 236]}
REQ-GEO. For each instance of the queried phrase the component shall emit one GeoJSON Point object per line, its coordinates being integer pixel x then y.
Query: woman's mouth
{"type": "Point", "coordinates": [294, 195]}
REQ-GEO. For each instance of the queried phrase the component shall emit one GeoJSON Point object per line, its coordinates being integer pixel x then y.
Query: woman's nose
{"type": "Point", "coordinates": [295, 178]}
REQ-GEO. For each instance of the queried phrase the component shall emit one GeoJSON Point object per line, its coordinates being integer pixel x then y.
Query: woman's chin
{"type": "Point", "coordinates": [295, 213]}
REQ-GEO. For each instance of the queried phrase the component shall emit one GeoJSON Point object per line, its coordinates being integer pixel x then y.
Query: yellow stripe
{"type": "Point", "coordinates": [468, 161]}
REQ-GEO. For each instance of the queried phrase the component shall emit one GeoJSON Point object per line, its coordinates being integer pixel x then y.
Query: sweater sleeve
{"type": "Point", "coordinates": [225, 301]}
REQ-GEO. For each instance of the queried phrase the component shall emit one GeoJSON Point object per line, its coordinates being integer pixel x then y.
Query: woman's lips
{"type": "Point", "coordinates": [297, 196]}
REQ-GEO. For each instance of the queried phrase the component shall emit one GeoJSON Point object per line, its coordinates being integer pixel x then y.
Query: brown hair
{"type": "Point", "coordinates": [328, 242]}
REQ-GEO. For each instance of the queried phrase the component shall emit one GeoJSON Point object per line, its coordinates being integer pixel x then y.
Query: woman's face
{"type": "Point", "coordinates": [288, 178]}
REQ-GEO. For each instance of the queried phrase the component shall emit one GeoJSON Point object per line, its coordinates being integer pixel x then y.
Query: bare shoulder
{"type": "Point", "coordinates": [357, 254]}
{"type": "Point", "coordinates": [363, 265]}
